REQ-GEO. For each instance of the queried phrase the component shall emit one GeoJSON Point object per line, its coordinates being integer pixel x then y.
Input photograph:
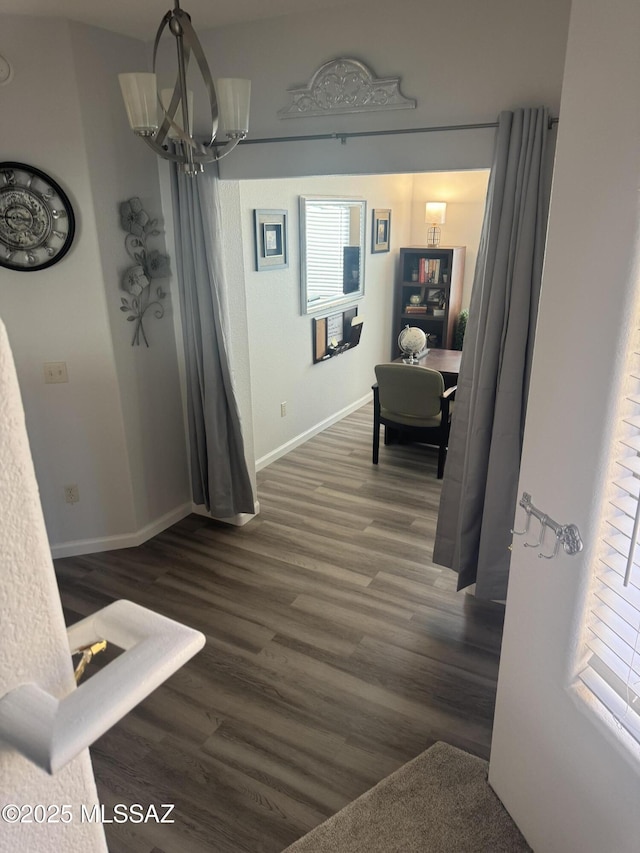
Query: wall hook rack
{"type": "Point", "coordinates": [567, 535]}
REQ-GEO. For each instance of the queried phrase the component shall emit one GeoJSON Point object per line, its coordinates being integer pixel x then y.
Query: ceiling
{"type": "Point", "coordinates": [141, 18]}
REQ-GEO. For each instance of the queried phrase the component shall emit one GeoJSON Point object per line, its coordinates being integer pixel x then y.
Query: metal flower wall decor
{"type": "Point", "coordinates": [148, 267]}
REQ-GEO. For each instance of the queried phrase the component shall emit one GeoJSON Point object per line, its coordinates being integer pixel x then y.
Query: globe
{"type": "Point", "coordinates": [411, 341]}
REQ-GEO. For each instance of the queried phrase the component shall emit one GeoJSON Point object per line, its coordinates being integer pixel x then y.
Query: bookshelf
{"type": "Point", "coordinates": [428, 293]}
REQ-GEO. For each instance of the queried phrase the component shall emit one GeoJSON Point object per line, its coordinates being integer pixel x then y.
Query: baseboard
{"type": "Point", "coordinates": [238, 520]}
{"type": "Point", "coordinates": [78, 547]}
{"type": "Point", "coordinates": [305, 436]}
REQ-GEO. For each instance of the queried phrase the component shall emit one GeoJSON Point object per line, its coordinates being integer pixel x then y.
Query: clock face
{"type": "Point", "coordinates": [36, 218]}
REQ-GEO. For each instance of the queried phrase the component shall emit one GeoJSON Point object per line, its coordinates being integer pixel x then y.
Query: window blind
{"type": "Point", "coordinates": [612, 671]}
{"type": "Point", "coordinates": [327, 232]}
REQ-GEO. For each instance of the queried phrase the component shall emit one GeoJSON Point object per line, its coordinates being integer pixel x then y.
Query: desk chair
{"type": "Point", "coordinates": [412, 401]}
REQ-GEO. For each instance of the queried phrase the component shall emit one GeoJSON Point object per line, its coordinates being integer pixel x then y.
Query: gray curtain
{"type": "Point", "coordinates": [219, 476]}
{"type": "Point", "coordinates": [481, 476]}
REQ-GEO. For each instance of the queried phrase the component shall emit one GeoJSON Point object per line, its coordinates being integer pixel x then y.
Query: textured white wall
{"type": "Point", "coordinates": [33, 640]}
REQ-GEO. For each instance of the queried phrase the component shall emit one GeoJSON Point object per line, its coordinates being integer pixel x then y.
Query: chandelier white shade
{"type": "Point", "coordinates": [435, 214]}
{"type": "Point", "coordinates": [234, 95]}
{"type": "Point", "coordinates": [141, 102]}
{"type": "Point", "coordinates": [167, 117]}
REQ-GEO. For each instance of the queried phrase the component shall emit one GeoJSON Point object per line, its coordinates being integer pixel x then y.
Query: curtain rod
{"type": "Point", "coordinates": [398, 131]}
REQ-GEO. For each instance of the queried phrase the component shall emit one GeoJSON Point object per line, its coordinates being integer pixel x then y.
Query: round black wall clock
{"type": "Point", "coordinates": [36, 219]}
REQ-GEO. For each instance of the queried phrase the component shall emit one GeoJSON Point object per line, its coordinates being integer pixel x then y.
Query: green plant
{"type": "Point", "coordinates": [461, 327]}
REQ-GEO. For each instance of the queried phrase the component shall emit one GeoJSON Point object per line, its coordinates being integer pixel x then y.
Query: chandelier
{"type": "Point", "coordinates": [164, 119]}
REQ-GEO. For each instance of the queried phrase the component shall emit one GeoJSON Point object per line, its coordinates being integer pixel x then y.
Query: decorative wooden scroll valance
{"type": "Point", "coordinates": [345, 86]}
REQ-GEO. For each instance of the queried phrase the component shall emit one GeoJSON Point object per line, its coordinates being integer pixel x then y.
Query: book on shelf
{"type": "Point", "coordinates": [415, 309]}
{"type": "Point", "coordinates": [433, 270]}
{"type": "Point", "coordinates": [428, 270]}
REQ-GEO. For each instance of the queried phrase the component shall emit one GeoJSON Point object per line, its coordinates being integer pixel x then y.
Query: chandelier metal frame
{"type": "Point", "coordinates": [185, 150]}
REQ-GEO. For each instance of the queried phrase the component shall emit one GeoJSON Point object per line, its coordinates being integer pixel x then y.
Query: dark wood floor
{"type": "Point", "coordinates": [336, 651]}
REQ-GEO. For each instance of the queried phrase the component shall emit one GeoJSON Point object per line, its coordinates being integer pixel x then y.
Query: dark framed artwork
{"type": "Point", "coordinates": [381, 230]}
{"type": "Point", "coordinates": [271, 246]}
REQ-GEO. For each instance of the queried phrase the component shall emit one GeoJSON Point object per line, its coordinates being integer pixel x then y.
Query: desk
{"type": "Point", "coordinates": [446, 361]}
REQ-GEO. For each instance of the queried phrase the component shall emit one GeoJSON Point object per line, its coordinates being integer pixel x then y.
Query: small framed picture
{"type": "Point", "coordinates": [381, 231]}
{"type": "Point", "coordinates": [271, 239]}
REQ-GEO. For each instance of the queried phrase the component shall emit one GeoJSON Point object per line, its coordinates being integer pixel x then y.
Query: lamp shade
{"type": "Point", "coordinates": [435, 212]}
{"type": "Point", "coordinates": [234, 95]}
{"type": "Point", "coordinates": [165, 97]}
{"type": "Point", "coordinates": [141, 101]}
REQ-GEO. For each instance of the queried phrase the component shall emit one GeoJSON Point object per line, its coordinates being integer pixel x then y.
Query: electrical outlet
{"type": "Point", "coordinates": [283, 409]}
{"type": "Point", "coordinates": [71, 494]}
{"type": "Point", "coordinates": [55, 371]}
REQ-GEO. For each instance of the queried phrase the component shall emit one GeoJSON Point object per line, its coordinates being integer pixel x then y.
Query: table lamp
{"type": "Point", "coordinates": [434, 215]}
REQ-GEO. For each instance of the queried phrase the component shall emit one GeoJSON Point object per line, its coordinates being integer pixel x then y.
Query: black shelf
{"type": "Point", "coordinates": [442, 262]}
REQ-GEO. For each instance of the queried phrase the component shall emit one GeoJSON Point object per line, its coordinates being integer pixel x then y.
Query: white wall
{"type": "Point", "coordinates": [462, 61]}
{"type": "Point", "coordinates": [280, 338]}
{"type": "Point", "coordinates": [116, 428]}
{"type": "Point", "coordinates": [567, 776]}
{"type": "Point", "coordinates": [122, 167]}
{"type": "Point", "coordinates": [59, 314]}
{"type": "Point", "coordinates": [465, 194]}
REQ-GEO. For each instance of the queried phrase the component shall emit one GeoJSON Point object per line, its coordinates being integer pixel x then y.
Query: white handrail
{"type": "Point", "coordinates": [50, 732]}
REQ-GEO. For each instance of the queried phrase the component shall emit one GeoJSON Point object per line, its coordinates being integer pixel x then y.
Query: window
{"type": "Point", "coordinates": [612, 671]}
{"type": "Point", "coordinates": [328, 232]}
